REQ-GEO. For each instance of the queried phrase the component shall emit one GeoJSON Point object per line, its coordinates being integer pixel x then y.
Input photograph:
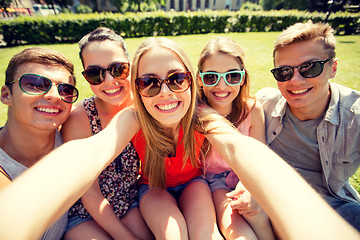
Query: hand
{"type": "Point", "coordinates": [243, 202]}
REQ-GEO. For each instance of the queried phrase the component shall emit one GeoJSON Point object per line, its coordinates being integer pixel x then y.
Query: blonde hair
{"type": "Point", "coordinates": [300, 32]}
{"type": "Point", "coordinates": [162, 145]}
{"type": "Point", "coordinates": [223, 45]}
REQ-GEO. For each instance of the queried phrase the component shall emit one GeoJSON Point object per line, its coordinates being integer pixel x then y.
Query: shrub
{"type": "Point", "coordinates": [71, 27]}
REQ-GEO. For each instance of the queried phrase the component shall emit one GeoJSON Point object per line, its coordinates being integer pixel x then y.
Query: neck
{"type": "Point", "coordinates": [309, 114]}
{"type": "Point", "coordinates": [26, 146]}
{"type": "Point", "coordinates": [173, 132]}
{"type": "Point", "coordinates": [224, 111]}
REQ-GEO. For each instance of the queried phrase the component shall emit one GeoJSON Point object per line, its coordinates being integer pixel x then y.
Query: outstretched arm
{"type": "Point", "coordinates": [60, 178]}
{"type": "Point", "coordinates": [295, 209]}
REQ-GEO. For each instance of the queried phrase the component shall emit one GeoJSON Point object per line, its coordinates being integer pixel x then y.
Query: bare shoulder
{"type": "Point", "coordinates": [77, 125]}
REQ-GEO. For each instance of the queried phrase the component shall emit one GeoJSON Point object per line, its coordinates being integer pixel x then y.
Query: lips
{"type": "Point", "coordinates": [168, 106]}
{"type": "Point", "coordinates": [221, 94]}
{"type": "Point", "coordinates": [113, 91]}
{"type": "Point", "coordinates": [48, 110]}
{"type": "Point", "coordinates": [299, 91]}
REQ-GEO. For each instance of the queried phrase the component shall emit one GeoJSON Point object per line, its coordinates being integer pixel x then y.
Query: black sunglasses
{"type": "Point", "coordinates": [309, 69]}
{"type": "Point", "coordinates": [34, 84]}
{"type": "Point", "coordinates": [150, 86]}
{"type": "Point", "coordinates": [95, 75]}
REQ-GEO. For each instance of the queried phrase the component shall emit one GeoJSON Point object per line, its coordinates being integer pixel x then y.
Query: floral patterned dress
{"type": "Point", "coordinates": [118, 181]}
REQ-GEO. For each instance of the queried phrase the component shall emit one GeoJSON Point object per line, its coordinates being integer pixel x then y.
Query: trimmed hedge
{"type": "Point", "coordinates": [71, 27]}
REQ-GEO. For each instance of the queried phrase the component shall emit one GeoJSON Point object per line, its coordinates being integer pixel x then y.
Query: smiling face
{"type": "Point", "coordinates": [221, 96]}
{"type": "Point", "coordinates": [102, 53]}
{"type": "Point", "coordinates": [307, 97]}
{"type": "Point", "coordinates": [46, 111]}
{"type": "Point", "coordinates": [167, 107]}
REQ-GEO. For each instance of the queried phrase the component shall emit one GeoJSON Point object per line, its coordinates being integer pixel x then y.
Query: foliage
{"type": "Point", "coordinates": [83, 9]}
{"type": "Point", "coordinates": [283, 4]}
{"type": "Point", "coordinates": [249, 6]}
{"type": "Point", "coordinates": [65, 28]}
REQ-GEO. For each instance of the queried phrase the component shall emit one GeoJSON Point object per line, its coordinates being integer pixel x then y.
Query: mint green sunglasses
{"type": "Point", "coordinates": [231, 78]}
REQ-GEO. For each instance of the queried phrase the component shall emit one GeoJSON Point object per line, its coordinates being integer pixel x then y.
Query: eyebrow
{"type": "Point", "coordinates": [168, 73]}
{"type": "Point", "coordinates": [311, 60]}
{"type": "Point", "coordinates": [234, 69]}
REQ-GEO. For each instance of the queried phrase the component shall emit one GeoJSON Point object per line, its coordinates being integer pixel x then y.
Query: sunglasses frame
{"type": "Point", "coordinates": [44, 92]}
{"type": "Point", "coordinates": [321, 62]}
{"type": "Point", "coordinates": [222, 75]}
{"type": "Point", "coordinates": [166, 81]}
{"type": "Point", "coordinates": [107, 69]}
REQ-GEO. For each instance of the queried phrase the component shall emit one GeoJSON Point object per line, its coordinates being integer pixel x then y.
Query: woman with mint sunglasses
{"type": "Point", "coordinates": [224, 85]}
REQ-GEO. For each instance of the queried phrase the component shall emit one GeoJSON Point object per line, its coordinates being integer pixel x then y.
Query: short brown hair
{"type": "Point", "coordinates": [39, 55]}
{"type": "Point", "coordinates": [307, 31]}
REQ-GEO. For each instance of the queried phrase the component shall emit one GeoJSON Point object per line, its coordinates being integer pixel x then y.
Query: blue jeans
{"type": "Point", "coordinates": [76, 220]}
{"type": "Point", "coordinates": [174, 191]}
{"type": "Point", "coordinates": [217, 181]}
{"type": "Point", "coordinates": [350, 211]}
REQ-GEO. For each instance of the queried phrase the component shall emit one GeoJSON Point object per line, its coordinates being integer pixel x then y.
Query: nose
{"type": "Point", "coordinates": [165, 90]}
{"type": "Point", "coordinates": [296, 77]}
{"type": "Point", "coordinates": [221, 84]}
{"type": "Point", "coordinates": [108, 76]}
{"type": "Point", "coordinates": [53, 93]}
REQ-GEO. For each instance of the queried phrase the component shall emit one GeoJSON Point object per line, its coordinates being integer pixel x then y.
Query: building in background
{"type": "Point", "coordinates": [194, 5]}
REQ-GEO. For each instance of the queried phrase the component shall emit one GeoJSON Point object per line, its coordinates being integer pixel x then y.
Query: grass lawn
{"type": "Point", "coordinates": [258, 51]}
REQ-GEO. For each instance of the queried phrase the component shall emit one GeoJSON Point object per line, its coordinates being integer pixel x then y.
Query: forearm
{"type": "Point", "coordinates": [283, 194]}
{"type": "Point", "coordinates": [59, 179]}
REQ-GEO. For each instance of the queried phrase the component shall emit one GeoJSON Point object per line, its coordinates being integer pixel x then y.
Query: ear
{"type": "Point", "coordinates": [334, 68]}
{"type": "Point", "coordinates": [6, 95]}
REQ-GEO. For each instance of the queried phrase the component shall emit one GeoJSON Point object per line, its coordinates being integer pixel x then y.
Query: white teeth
{"type": "Point", "coordinates": [111, 90]}
{"type": "Point", "coordinates": [220, 94]}
{"type": "Point", "coordinates": [299, 91]}
{"type": "Point", "coordinates": [167, 107]}
{"type": "Point", "coordinates": [48, 110]}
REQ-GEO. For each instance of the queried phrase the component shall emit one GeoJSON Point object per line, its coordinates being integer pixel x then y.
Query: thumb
{"type": "Point", "coordinates": [234, 193]}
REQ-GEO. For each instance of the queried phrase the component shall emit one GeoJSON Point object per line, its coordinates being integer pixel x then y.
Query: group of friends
{"type": "Point", "coordinates": [161, 151]}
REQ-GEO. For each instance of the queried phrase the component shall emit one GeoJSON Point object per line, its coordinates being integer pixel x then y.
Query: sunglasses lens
{"type": "Point", "coordinates": [92, 75]}
{"type": "Point", "coordinates": [148, 86]}
{"type": "Point", "coordinates": [310, 69]}
{"type": "Point", "coordinates": [283, 74]}
{"type": "Point", "coordinates": [34, 84]}
{"type": "Point", "coordinates": [210, 79]}
{"type": "Point", "coordinates": [68, 93]}
{"type": "Point", "coordinates": [119, 70]}
{"type": "Point", "coordinates": [179, 82]}
{"type": "Point", "coordinates": [234, 78]}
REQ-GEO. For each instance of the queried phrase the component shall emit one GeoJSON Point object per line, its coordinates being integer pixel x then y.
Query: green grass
{"type": "Point", "coordinates": [258, 51]}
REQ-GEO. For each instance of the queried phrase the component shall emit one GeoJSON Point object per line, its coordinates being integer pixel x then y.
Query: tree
{"type": "Point", "coordinates": [138, 3]}
{"type": "Point", "coordinates": [61, 3]}
{"type": "Point", "coordinates": [4, 4]}
{"type": "Point", "coordinates": [119, 4]}
{"type": "Point", "coordinates": [310, 5]}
